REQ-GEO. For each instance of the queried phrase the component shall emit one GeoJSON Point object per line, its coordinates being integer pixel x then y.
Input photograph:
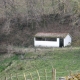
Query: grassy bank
{"type": "Point", "coordinates": [63, 60]}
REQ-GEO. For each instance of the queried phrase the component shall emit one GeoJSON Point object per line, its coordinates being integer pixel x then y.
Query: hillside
{"type": "Point", "coordinates": [20, 20]}
{"type": "Point", "coordinates": [64, 60]}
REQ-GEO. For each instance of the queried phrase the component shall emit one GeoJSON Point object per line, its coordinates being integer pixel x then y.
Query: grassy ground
{"type": "Point", "coordinates": [63, 60]}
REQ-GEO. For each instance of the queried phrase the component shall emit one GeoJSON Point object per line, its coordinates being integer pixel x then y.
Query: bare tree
{"type": "Point", "coordinates": [10, 12]}
{"type": "Point", "coordinates": [53, 6]}
{"type": "Point", "coordinates": [33, 13]}
{"type": "Point", "coordinates": [5, 7]}
{"type": "Point", "coordinates": [9, 8]}
{"type": "Point", "coordinates": [30, 11]}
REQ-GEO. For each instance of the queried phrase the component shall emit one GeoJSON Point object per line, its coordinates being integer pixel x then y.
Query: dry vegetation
{"type": "Point", "coordinates": [21, 19]}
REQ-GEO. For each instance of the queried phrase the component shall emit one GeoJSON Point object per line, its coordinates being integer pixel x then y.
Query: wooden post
{"type": "Point", "coordinates": [31, 76]}
{"type": "Point", "coordinates": [35, 49]}
{"type": "Point", "coordinates": [5, 78]}
{"type": "Point", "coordinates": [38, 75]}
{"type": "Point", "coordinates": [45, 74]}
{"type": "Point", "coordinates": [24, 76]}
{"type": "Point", "coordinates": [66, 78]}
{"type": "Point", "coordinates": [16, 76]}
{"type": "Point", "coordinates": [10, 76]}
{"type": "Point", "coordinates": [53, 74]}
{"type": "Point", "coordinates": [70, 73]}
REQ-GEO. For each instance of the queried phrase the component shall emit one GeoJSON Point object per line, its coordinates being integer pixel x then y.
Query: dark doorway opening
{"type": "Point", "coordinates": [61, 42]}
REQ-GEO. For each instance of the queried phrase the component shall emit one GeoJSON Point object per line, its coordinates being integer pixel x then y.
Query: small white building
{"type": "Point", "coordinates": [52, 39]}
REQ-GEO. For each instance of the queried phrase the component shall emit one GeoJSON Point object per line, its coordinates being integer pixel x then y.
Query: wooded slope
{"type": "Point", "coordinates": [21, 19]}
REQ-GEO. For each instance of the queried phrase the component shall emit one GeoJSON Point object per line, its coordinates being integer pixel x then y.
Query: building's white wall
{"type": "Point", "coordinates": [46, 43]}
{"type": "Point", "coordinates": [67, 40]}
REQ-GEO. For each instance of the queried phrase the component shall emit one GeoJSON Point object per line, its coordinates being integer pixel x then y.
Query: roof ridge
{"type": "Point", "coordinates": [41, 34]}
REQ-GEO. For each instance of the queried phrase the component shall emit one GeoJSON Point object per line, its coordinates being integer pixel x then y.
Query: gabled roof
{"type": "Point", "coordinates": [57, 35]}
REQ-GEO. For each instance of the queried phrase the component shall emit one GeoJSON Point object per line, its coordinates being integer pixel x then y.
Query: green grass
{"type": "Point", "coordinates": [62, 60]}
